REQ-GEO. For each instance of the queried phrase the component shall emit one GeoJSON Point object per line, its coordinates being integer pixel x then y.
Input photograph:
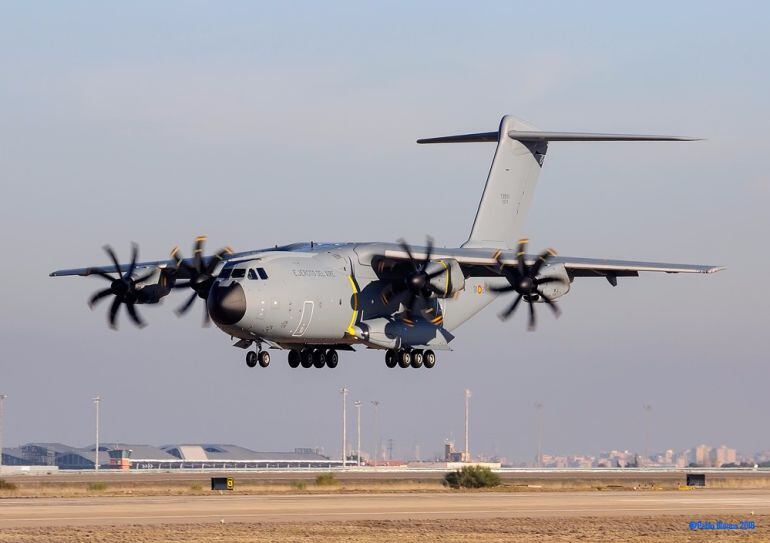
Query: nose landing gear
{"type": "Point", "coordinates": [262, 358]}
{"type": "Point", "coordinates": [405, 358]}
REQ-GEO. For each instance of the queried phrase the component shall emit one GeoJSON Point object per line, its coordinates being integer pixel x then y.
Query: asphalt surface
{"type": "Point", "coordinates": [59, 512]}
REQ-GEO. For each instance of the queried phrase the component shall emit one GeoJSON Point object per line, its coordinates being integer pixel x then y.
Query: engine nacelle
{"type": "Point", "coordinates": [153, 289]}
{"type": "Point", "coordinates": [451, 281]}
{"type": "Point", "coordinates": [555, 289]}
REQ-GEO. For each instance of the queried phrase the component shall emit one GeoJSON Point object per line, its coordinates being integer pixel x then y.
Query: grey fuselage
{"type": "Point", "coordinates": [330, 294]}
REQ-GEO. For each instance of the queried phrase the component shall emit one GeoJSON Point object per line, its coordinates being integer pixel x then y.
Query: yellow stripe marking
{"type": "Point", "coordinates": [446, 283]}
{"type": "Point", "coordinates": [351, 331]}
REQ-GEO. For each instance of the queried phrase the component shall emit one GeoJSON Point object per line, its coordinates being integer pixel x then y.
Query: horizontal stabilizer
{"type": "Point", "coordinates": [519, 135]}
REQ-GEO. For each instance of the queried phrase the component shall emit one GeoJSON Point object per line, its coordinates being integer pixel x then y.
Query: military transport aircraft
{"type": "Point", "coordinates": [315, 299]}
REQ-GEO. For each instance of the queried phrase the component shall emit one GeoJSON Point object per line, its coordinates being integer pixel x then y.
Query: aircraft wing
{"type": "Point", "coordinates": [154, 264]}
{"type": "Point", "coordinates": [482, 263]}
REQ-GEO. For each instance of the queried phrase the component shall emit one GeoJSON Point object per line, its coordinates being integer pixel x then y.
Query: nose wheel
{"type": "Point", "coordinates": [405, 358]}
{"type": "Point", "coordinates": [262, 358]}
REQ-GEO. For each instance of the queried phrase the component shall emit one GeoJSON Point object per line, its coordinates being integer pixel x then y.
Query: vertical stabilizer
{"type": "Point", "coordinates": [509, 189]}
{"type": "Point", "coordinates": [511, 182]}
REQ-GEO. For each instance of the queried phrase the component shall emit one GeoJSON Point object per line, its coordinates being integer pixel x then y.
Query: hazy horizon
{"type": "Point", "coordinates": [263, 124]}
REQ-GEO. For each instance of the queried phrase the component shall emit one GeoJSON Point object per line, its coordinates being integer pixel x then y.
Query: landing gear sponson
{"type": "Point", "coordinates": [405, 358]}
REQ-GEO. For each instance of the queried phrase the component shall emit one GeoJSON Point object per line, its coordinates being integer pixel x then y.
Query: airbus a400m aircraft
{"type": "Point", "coordinates": [315, 299]}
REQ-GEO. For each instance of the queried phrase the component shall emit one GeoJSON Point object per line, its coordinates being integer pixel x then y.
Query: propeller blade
{"type": "Point", "coordinates": [132, 266]}
{"type": "Point", "coordinates": [549, 303]}
{"type": "Point", "coordinates": [198, 252]}
{"type": "Point", "coordinates": [113, 315]}
{"type": "Point", "coordinates": [176, 254]}
{"type": "Point", "coordinates": [216, 259]}
{"type": "Point", "coordinates": [520, 253]}
{"type": "Point", "coordinates": [436, 273]}
{"type": "Point", "coordinates": [505, 315]}
{"type": "Point", "coordinates": [507, 288]}
{"type": "Point", "coordinates": [186, 306]}
{"type": "Point", "coordinates": [98, 296]}
{"type": "Point", "coordinates": [411, 301]}
{"type": "Point", "coordinates": [541, 260]}
{"type": "Point", "coordinates": [111, 253]}
{"type": "Point", "coordinates": [100, 273]}
{"type": "Point", "coordinates": [532, 319]}
{"type": "Point", "coordinates": [428, 253]}
{"type": "Point", "coordinates": [408, 251]}
{"type": "Point", "coordinates": [385, 294]}
{"type": "Point", "coordinates": [206, 317]}
{"type": "Point", "coordinates": [134, 315]}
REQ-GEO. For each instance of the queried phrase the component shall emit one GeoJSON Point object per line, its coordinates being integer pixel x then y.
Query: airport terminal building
{"type": "Point", "coordinates": [128, 456]}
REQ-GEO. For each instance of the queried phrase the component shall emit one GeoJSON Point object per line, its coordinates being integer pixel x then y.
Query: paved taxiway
{"type": "Point", "coordinates": [235, 508]}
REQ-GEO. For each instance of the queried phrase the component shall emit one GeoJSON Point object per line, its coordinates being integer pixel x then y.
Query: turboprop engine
{"type": "Point", "coordinates": [554, 289]}
{"type": "Point", "coordinates": [449, 278]}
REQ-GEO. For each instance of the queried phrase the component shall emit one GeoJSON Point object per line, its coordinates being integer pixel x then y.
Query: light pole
{"type": "Point", "coordinates": [358, 403]}
{"type": "Point", "coordinates": [376, 405]}
{"type": "Point", "coordinates": [2, 400]}
{"type": "Point", "coordinates": [467, 454]}
{"type": "Point", "coordinates": [97, 400]}
{"type": "Point", "coordinates": [344, 392]}
{"type": "Point", "coordinates": [539, 423]}
{"type": "Point", "coordinates": [647, 412]}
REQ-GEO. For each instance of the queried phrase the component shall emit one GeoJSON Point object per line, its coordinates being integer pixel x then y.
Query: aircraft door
{"type": "Point", "coordinates": [305, 318]}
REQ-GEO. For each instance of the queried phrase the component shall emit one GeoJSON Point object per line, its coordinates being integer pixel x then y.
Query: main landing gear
{"type": "Point", "coordinates": [405, 358]}
{"type": "Point", "coordinates": [262, 358]}
{"type": "Point", "coordinates": [308, 358]}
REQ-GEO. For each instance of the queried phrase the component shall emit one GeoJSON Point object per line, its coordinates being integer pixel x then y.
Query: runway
{"type": "Point", "coordinates": [58, 512]}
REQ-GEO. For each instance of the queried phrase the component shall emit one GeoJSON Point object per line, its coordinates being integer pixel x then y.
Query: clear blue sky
{"type": "Point", "coordinates": [261, 123]}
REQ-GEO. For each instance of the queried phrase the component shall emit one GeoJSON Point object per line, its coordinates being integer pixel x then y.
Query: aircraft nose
{"type": "Point", "coordinates": [227, 305]}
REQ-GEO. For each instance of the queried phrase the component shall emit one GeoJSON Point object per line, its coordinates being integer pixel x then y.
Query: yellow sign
{"type": "Point", "coordinates": [230, 483]}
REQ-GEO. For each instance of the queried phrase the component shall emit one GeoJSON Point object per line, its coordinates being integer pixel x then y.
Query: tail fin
{"type": "Point", "coordinates": [510, 186]}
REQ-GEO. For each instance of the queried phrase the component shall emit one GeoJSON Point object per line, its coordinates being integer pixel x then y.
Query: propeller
{"type": "Point", "coordinates": [200, 273]}
{"type": "Point", "coordinates": [416, 281]}
{"type": "Point", "coordinates": [123, 288]}
{"type": "Point", "coordinates": [523, 279]}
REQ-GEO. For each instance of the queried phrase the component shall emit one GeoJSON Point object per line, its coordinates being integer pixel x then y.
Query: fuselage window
{"type": "Point", "coordinates": [225, 273]}
{"type": "Point", "coordinates": [239, 273]}
{"type": "Point", "coordinates": [252, 274]}
{"type": "Point", "coordinates": [262, 273]}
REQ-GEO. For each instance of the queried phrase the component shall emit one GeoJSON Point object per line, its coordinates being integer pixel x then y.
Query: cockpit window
{"type": "Point", "coordinates": [262, 273]}
{"type": "Point", "coordinates": [239, 273]}
{"type": "Point", "coordinates": [225, 273]}
{"type": "Point", "coordinates": [252, 274]}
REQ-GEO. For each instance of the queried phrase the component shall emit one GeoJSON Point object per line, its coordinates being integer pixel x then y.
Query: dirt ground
{"type": "Point", "coordinates": [670, 529]}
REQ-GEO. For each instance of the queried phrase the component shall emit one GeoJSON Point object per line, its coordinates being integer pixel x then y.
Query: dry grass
{"type": "Point", "coordinates": [41, 487]}
{"type": "Point", "coordinates": [658, 529]}
{"type": "Point", "coordinates": [37, 489]}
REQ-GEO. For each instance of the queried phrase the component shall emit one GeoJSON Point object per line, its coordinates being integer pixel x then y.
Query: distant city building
{"type": "Point", "coordinates": [722, 455]}
{"type": "Point", "coordinates": [702, 455]}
